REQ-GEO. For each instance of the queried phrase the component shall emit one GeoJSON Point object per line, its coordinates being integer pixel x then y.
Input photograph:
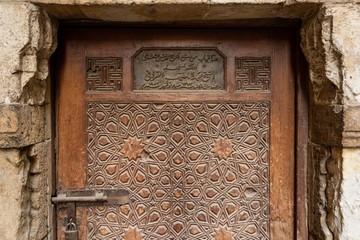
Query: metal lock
{"type": "Point", "coordinates": [87, 197]}
{"type": "Point", "coordinates": [71, 232]}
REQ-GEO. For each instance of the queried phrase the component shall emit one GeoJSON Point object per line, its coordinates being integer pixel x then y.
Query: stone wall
{"type": "Point", "coordinates": [330, 41]}
{"type": "Point", "coordinates": [28, 38]}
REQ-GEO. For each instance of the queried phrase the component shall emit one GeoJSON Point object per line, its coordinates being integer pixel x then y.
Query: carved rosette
{"type": "Point", "coordinates": [222, 148]}
{"type": "Point", "coordinates": [172, 163]}
{"type": "Point", "coordinates": [132, 148]}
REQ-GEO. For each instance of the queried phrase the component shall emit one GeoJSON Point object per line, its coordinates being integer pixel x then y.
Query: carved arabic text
{"type": "Point", "coordinates": [176, 69]}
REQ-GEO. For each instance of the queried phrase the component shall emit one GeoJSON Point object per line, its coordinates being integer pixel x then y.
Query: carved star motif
{"type": "Point", "coordinates": [222, 148]}
{"type": "Point", "coordinates": [132, 148]}
{"type": "Point", "coordinates": [113, 114]}
{"type": "Point", "coordinates": [222, 234]}
{"type": "Point", "coordinates": [132, 234]}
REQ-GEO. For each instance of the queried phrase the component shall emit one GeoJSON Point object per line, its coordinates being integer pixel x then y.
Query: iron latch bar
{"type": "Point", "coordinates": [95, 196]}
{"type": "Point", "coordinates": [72, 199]}
{"type": "Point", "coordinates": [63, 197]}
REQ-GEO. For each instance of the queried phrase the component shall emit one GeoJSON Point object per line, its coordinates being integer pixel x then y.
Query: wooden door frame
{"type": "Point", "coordinates": [301, 144]}
{"type": "Point", "coordinates": [301, 110]}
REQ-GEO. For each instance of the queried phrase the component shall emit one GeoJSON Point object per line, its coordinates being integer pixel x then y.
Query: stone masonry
{"type": "Point", "coordinates": [28, 38]}
{"type": "Point", "coordinates": [330, 36]}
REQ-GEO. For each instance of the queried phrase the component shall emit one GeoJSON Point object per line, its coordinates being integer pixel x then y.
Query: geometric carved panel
{"type": "Point", "coordinates": [103, 74]}
{"type": "Point", "coordinates": [179, 69]}
{"type": "Point", "coordinates": [193, 170]}
{"type": "Point", "coordinates": [253, 73]}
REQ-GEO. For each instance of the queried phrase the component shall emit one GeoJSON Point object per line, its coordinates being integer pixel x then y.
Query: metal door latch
{"type": "Point", "coordinates": [72, 199]}
{"type": "Point", "coordinates": [105, 196]}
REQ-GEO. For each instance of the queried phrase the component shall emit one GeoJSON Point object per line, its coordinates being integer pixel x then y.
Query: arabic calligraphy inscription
{"type": "Point", "coordinates": [179, 69]}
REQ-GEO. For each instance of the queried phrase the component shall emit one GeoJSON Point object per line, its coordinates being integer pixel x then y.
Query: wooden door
{"type": "Point", "coordinates": [196, 124]}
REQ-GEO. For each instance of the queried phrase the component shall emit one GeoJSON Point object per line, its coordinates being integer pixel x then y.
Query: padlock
{"type": "Point", "coordinates": [71, 232]}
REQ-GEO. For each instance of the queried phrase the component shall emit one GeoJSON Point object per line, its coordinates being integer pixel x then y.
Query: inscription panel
{"type": "Point", "coordinates": [104, 74]}
{"type": "Point", "coordinates": [193, 170]}
{"type": "Point", "coordinates": [179, 69]}
{"type": "Point", "coordinates": [253, 73]}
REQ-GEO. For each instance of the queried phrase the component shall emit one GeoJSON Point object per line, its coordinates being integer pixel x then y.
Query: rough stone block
{"type": "Point", "coordinates": [48, 121]}
{"type": "Point", "coordinates": [30, 126]}
{"type": "Point", "coordinates": [14, 32]}
{"type": "Point", "coordinates": [39, 209]}
{"type": "Point", "coordinates": [333, 192]}
{"type": "Point", "coordinates": [38, 156]}
{"type": "Point", "coordinates": [37, 200]}
{"type": "Point", "coordinates": [345, 38]}
{"type": "Point", "coordinates": [351, 162]}
{"type": "Point", "coordinates": [172, 10]}
{"type": "Point", "coordinates": [9, 119]}
{"type": "Point", "coordinates": [29, 63]}
{"type": "Point", "coordinates": [38, 228]}
{"type": "Point", "coordinates": [351, 134]}
{"type": "Point", "coordinates": [27, 41]}
{"type": "Point", "coordinates": [330, 43]}
{"type": "Point", "coordinates": [326, 125]}
{"type": "Point", "coordinates": [37, 182]}
{"type": "Point", "coordinates": [14, 199]}
{"type": "Point", "coordinates": [318, 157]}
{"type": "Point", "coordinates": [350, 194]}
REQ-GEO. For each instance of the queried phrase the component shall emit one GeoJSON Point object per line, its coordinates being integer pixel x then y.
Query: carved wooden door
{"type": "Point", "coordinates": [197, 125]}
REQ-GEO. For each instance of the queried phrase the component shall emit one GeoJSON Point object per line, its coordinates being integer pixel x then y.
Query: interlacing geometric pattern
{"type": "Point", "coordinates": [104, 74]}
{"type": "Point", "coordinates": [193, 170]}
{"type": "Point", "coordinates": [253, 73]}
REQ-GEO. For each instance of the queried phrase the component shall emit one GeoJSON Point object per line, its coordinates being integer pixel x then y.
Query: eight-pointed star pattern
{"type": "Point", "coordinates": [193, 170]}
